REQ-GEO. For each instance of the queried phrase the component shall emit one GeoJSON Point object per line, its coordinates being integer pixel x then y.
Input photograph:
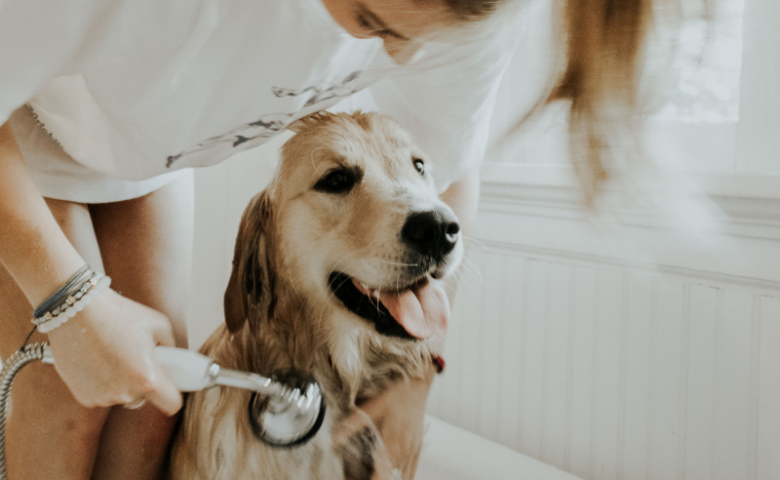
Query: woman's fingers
{"type": "Point", "coordinates": [164, 395]}
{"type": "Point", "coordinates": [161, 391]}
{"type": "Point", "coordinates": [163, 333]}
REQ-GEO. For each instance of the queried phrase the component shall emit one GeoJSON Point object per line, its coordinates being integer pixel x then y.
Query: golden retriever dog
{"type": "Point", "coordinates": [338, 272]}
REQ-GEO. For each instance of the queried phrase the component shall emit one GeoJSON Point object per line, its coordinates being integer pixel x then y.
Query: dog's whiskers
{"type": "Point", "coordinates": [477, 242]}
{"type": "Point", "coordinates": [472, 266]}
{"type": "Point", "coordinates": [397, 264]}
{"type": "Point", "coordinates": [468, 269]}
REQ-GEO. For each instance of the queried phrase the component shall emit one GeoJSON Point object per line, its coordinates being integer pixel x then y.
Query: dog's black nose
{"type": "Point", "coordinates": [431, 233]}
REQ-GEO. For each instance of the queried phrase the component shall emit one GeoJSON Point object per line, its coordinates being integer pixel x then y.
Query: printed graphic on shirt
{"type": "Point", "coordinates": [320, 94]}
{"type": "Point", "coordinates": [269, 125]}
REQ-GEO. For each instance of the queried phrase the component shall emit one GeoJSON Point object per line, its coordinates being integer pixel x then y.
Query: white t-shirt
{"type": "Point", "coordinates": [138, 88]}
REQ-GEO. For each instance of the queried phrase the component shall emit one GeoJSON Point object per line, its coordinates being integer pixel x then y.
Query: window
{"type": "Point", "coordinates": [708, 64]}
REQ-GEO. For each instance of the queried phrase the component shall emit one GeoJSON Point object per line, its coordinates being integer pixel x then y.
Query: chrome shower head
{"type": "Point", "coordinates": [291, 418]}
{"type": "Point", "coordinates": [284, 411]}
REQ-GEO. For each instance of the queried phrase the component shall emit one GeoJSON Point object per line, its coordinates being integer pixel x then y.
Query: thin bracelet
{"type": "Point", "coordinates": [69, 288]}
{"type": "Point", "coordinates": [68, 308]}
{"type": "Point", "coordinates": [78, 298]}
{"type": "Point", "coordinates": [66, 299]}
{"type": "Point", "coordinates": [102, 284]}
{"type": "Point", "coordinates": [74, 295]}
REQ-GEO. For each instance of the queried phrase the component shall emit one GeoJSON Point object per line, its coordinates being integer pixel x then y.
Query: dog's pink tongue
{"type": "Point", "coordinates": [422, 311]}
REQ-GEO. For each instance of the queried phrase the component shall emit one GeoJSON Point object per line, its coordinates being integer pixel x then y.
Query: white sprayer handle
{"type": "Point", "coordinates": [189, 370]}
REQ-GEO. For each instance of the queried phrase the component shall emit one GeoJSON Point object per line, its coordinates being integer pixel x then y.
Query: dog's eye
{"type": "Point", "coordinates": [419, 165]}
{"type": "Point", "coordinates": [339, 180]}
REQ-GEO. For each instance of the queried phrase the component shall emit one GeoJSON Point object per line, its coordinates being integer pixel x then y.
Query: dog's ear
{"type": "Point", "coordinates": [246, 285]}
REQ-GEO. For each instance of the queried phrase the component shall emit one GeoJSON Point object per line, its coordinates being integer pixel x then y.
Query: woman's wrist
{"type": "Point", "coordinates": [70, 299]}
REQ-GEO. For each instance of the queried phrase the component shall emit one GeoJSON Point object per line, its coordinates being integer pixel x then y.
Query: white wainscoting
{"type": "Point", "coordinates": [568, 348]}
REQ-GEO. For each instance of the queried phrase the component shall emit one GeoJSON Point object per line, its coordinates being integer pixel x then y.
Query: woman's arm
{"type": "Point", "coordinates": [105, 353]}
{"type": "Point", "coordinates": [463, 198]}
{"type": "Point", "coordinates": [32, 246]}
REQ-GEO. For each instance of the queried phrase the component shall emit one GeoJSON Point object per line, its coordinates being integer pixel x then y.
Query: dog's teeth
{"type": "Point", "coordinates": [376, 294]}
{"type": "Point", "coordinates": [365, 287]}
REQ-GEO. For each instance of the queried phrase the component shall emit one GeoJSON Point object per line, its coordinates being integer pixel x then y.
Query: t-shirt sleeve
{"type": "Point", "coordinates": [446, 103]}
{"type": "Point", "coordinates": [43, 39]}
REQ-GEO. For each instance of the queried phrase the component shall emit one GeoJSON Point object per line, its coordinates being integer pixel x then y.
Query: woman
{"type": "Point", "coordinates": [122, 97]}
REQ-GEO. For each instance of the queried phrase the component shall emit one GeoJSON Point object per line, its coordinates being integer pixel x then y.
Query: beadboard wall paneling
{"type": "Point", "coordinates": [613, 373]}
{"type": "Point", "coordinates": [767, 422]}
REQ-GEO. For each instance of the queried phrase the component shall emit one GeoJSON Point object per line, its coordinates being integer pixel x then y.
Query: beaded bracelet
{"type": "Point", "coordinates": [73, 304]}
{"type": "Point", "coordinates": [67, 289]}
{"type": "Point", "coordinates": [66, 298]}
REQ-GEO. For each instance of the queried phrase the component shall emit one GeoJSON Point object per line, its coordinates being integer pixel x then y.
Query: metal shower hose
{"type": "Point", "coordinates": [11, 367]}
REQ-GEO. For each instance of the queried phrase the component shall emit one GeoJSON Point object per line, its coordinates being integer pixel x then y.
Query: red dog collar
{"type": "Point", "coordinates": [439, 363]}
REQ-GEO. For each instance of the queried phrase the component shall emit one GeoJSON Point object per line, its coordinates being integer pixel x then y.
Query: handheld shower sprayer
{"type": "Point", "coordinates": [281, 414]}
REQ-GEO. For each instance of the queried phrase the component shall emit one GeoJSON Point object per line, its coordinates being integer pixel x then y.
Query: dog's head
{"type": "Point", "coordinates": [353, 227]}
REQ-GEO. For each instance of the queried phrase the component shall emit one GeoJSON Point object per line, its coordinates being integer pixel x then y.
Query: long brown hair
{"type": "Point", "coordinates": [601, 44]}
{"type": "Point", "coordinates": [472, 9]}
{"type": "Point", "coordinates": [604, 40]}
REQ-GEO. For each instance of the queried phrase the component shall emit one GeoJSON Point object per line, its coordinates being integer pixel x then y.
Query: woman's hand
{"type": "Point", "coordinates": [398, 416]}
{"type": "Point", "coordinates": [105, 354]}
